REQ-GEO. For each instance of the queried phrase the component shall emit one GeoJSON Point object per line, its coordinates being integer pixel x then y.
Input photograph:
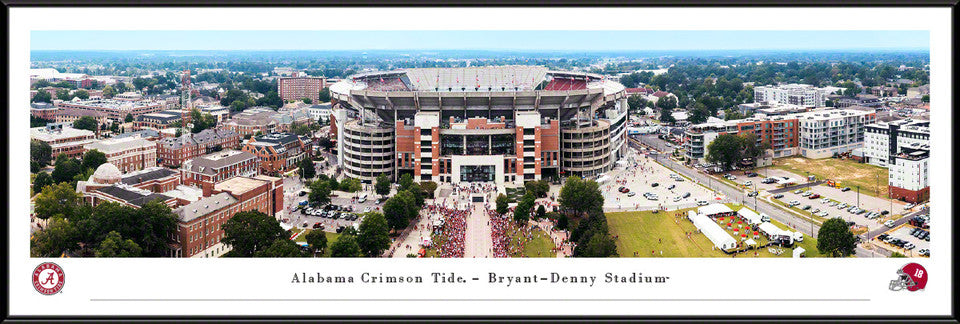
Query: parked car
{"type": "Point", "coordinates": [748, 183]}
{"type": "Point", "coordinates": [702, 203]}
{"type": "Point", "coordinates": [302, 193]}
{"type": "Point", "coordinates": [625, 190]}
{"type": "Point", "coordinates": [889, 223]}
{"type": "Point", "coordinates": [752, 194]}
{"type": "Point", "coordinates": [677, 198]}
{"type": "Point", "coordinates": [833, 203]}
{"type": "Point", "coordinates": [814, 196]}
{"type": "Point", "coordinates": [816, 211]}
{"type": "Point", "coordinates": [366, 209]}
{"type": "Point", "coordinates": [777, 196]}
{"type": "Point", "coordinates": [884, 212]}
{"type": "Point", "coordinates": [908, 206]}
{"type": "Point", "coordinates": [807, 194]}
{"type": "Point", "coordinates": [845, 189]}
{"type": "Point", "coordinates": [631, 194]}
{"type": "Point", "coordinates": [806, 207]}
{"type": "Point", "coordinates": [793, 203]}
{"type": "Point", "coordinates": [686, 195]}
{"type": "Point", "coordinates": [798, 191]}
{"type": "Point", "coordinates": [751, 174]}
{"type": "Point", "coordinates": [317, 225]}
{"type": "Point", "coordinates": [654, 184]}
{"type": "Point", "coordinates": [671, 187]}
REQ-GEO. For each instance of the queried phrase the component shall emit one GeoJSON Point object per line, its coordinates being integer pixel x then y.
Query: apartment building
{"type": "Point", "coordinates": [884, 140]}
{"type": "Point", "coordinates": [824, 133]}
{"type": "Point", "coordinates": [795, 94]}
{"type": "Point", "coordinates": [782, 132]}
{"type": "Point", "coordinates": [174, 151]}
{"type": "Point", "coordinates": [299, 87]}
{"type": "Point", "coordinates": [909, 176]}
{"type": "Point", "coordinates": [253, 120]}
{"type": "Point", "coordinates": [277, 152]}
{"type": "Point", "coordinates": [204, 171]}
{"type": "Point", "coordinates": [115, 109]}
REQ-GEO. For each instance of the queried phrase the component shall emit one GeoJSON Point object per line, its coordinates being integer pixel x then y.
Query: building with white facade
{"type": "Point", "coordinates": [795, 94]}
{"type": "Point", "coordinates": [883, 140]}
{"type": "Point", "coordinates": [128, 154]}
{"type": "Point", "coordinates": [909, 179]}
{"type": "Point", "coordinates": [824, 133]}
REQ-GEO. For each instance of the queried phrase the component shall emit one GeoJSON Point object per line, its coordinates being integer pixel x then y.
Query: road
{"type": "Point", "coordinates": [803, 225]}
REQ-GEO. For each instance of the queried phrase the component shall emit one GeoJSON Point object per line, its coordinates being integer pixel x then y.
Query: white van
{"type": "Point", "coordinates": [362, 198]}
{"type": "Point", "coordinates": [764, 217]}
{"type": "Point", "coordinates": [797, 236]}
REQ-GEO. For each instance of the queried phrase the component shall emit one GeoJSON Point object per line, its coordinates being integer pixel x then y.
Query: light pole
{"type": "Point", "coordinates": [858, 196]}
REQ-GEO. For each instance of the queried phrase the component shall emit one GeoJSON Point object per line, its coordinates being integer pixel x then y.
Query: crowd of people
{"type": "Point", "coordinates": [453, 231]}
{"type": "Point", "coordinates": [499, 232]}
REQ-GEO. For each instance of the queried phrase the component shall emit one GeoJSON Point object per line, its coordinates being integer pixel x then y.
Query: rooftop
{"type": "Point", "coordinates": [131, 195]}
{"type": "Point", "coordinates": [41, 133]}
{"type": "Point", "coordinates": [204, 206]}
{"type": "Point", "coordinates": [238, 185]}
{"type": "Point", "coordinates": [147, 174]}
{"type": "Point", "coordinates": [119, 144]}
{"type": "Point", "coordinates": [210, 163]}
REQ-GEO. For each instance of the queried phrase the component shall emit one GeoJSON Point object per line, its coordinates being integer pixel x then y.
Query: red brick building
{"type": "Point", "coordinates": [277, 152]}
{"type": "Point", "coordinates": [299, 87]}
{"type": "Point", "coordinates": [63, 139]}
{"type": "Point", "coordinates": [128, 154]}
{"type": "Point", "coordinates": [204, 171]}
{"type": "Point", "coordinates": [172, 152]}
{"type": "Point", "coordinates": [200, 225]}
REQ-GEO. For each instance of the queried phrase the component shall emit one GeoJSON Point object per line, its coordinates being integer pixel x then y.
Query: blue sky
{"type": "Point", "coordinates": [478, 40]}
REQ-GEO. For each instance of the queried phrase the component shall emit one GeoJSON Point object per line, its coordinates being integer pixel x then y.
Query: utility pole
{"type": "Point", "coordinates": [858, 196]}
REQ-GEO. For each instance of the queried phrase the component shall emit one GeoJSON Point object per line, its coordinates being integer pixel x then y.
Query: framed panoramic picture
{"type": "Point", "coordinates": [577, 162]}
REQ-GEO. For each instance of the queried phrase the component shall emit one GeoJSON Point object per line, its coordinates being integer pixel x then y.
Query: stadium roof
{"type": "Point", "coordinates": [480, 78]}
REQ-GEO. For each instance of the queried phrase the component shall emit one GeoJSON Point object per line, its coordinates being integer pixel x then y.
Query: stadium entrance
{"type": "Point", "coordinates": [477, 168]}
{"type": "Point", "coordinates": [477, 173]}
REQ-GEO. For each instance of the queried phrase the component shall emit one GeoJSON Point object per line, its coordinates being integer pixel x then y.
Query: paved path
{"type": "Point", "coordinates": [478, 239]}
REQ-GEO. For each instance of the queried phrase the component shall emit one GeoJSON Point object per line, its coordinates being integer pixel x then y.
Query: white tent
{"type": "Point", "coordinates": [798, 252]}
{"type": "Point", "coordinates": [786, 181]}
{"type": "Point", "coordinates": [603, 178]}
{"type": "Point", "coordinates": [713, 209]}
{"type": "Point", "coordinates": [772, 230]}
{"type": "Point", "coordinates": [751, 217]}
{"type": "Point", "coordinates": [285, 226]}
{"type": "Point", "coordinates": [720, 238]}
{"type": "Point", "coordinates": [750, 242]}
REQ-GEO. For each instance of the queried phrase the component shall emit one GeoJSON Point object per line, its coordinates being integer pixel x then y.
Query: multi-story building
{"type": "Point", "coordinates": [200, 223]}
{"type": "Point", "coordinates": [157, 120]}
{"type": "Point", "coordinates": [477, 124]}
{"type": "Point", "coordinates": [128, 154]}
{"type": "Point", "coordinates": [204, 171]}
{"type": "Point", "coordinates": [70, 115]}
{"type": "Point", "coordinates": [43, 110]}
{"type": "Point", "coordinates": [884, 140]}
{"type": "Point", "coordinates": [254, 120]}
{"type": "Point", "coordinates": [299, 87]}
{"type": "Point", "coordinates": [862, 100]}
{"type": "Point", "coordinates": [114, 109]}
{"type": "Point", "coordinates": [824, 133]}
{"type": "Point", "coordinates": [782, 132]}
{"type": "Point", "coordinates": [320, 112]}
{"type": "Point", "coordinates": [173, 151]}
{"type": "Point", "coordinates": [795, 94]}
{"type": "Point", "coordinates": [133, 189]}
{"type": "Point", "coordinates": [63, 139]}
{"type": "Point", "coordinates": [909, 179]}
{"type": "Point", "coordinates": [277, 152]}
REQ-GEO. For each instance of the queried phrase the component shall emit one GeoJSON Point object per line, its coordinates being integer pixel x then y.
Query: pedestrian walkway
{"type": "Point", "coordinates": [479, 243]}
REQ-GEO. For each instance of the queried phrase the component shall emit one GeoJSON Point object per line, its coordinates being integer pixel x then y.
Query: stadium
{"type": "Point", "coordinates": [478, 124]}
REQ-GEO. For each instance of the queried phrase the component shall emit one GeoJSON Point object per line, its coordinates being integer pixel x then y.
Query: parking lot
{"type": "Point", "coordinates": [832, 211]}
{"type": "Point", "coordinates": [903, 233]}
{"type": "Point", "coordinates": [639, 174]}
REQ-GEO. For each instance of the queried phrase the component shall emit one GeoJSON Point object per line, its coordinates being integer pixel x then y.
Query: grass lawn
{"type": "Point", "coordinates": [642, 232]}
{"type": "Point", "coordinates": [331, 237]}
{"type": "Point", "coordinates": [809, 243]}
{"type": "Point", "coordinates": [848, 172]}
{"type": "Point", "coordinates": [538, 247]}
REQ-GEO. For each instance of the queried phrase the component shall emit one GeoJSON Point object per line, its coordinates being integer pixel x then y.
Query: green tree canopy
{"type": "Point", "coordinates": [42, 96]}
{"type": "Point", "coordinates": [373, 237]}
{"type": "Point", "coordinates": [40, 152]}
{"type": "Point", "coordinates": [502, 204]}
{"type": "Point", "coordinates": [86, 122]}
{"type": "Point", "coordinates": [114, 246]}
{"type": "Point", "coordinates": [319, 193]}
{"type": "Point", "coordinates": [280, 248]}
{"type": "Point", "coordinates": [56, 199]}
{"type": "Point", "coordinates": [82, 94]}
{"type": "Point", "coordinates": [42, 180]}
{"type": "Point", "coordinates": [382, 186]}
{"type": "Point", "coordinates": [65, 169]}
{"type": "Point", "coordinates": [317, 241]}
{"type": "Point", "coordinates": [399, 209]}
{"type": "Point", "coordinates": [307, 170]}
{"type": "Point", "coordinates": [108, 92]}
{"type": "Point", "coordinates": [725, 150]}
{"type": "Point", "coordinates": [522, 212]}
{"type": "Point", "coordinates": [92, 159]}
{"type": "Point", "coordinates": [57, 237]}
{"type": "Point", "coordinates": [667, 102]}
{"type": "Point", "coordinates": [249, 232]}
{"type": "Point", "coordinates": [835, 238]}
{"type": "Point", "coordinates": [64, 94]}
{"type": "Point", "coordinates": [345, 247]}
{"type": "Point", "coordinates": [350, 185]}
{"type": "Point", "coordinates": [580, 196]}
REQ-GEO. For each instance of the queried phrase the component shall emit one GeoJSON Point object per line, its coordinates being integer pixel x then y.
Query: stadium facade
{"type": "Point", "coordinates": [488, 124]}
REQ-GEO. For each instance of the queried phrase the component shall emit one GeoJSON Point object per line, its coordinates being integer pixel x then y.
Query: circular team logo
{"type": "Point", "coordinates": [48, 278]}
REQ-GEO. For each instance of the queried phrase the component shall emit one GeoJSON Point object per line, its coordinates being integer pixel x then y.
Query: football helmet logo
{"type": "Point", "coordinates": [912, 276]}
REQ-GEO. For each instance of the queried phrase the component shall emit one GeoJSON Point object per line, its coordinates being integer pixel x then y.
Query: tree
{"type": "Point", "coordinates": [42, 96]}
{"type": "Point", "coordinates": [835, 238]}
{"type": "Point", "coordinates": [502, 204]}
{"type": "Point", "coordinates": [64, 94]}
{"type": "Point", "coordinates": [373, 237]}
{"type": "Point", "coordinates": [57, 237]}
{"type": "Point", "coordinates": [252, 231]}
{"type": "Point", "coordinates": [406, 181]}
{"type": "Point", "coordinates": [399, 209]}
{"type": "Point", "coordinates": [93, 159]}
{"type": "Point", "coordinates": [598, 246]}
{"type": "Point", "coordinates": [345, 247]}
{"type": "Point", "coordinates": [317, 241]}
{"type": "Point", "coordinates": [319, 193]}
{"type": "Point", "coordinates": [699, 114]}
{"type": "Point", "coordinates": [725, 150]}
{"type": "Point", "coordinates": [42, 180]}
{"type": "Point", "coordinates": [668, 102]}
{"type": "Point", "coordinates": [419, 196]}
{"type": "Point", "coordinates": [666, 116]}
{"type": "Point", "coordinates": [850, 89]}
{"type": "Point", "coordinates": [56, 199]}
{"type": "Point", "coordinates": [522, 212]}
{"type": "Point", "coordinates": [637, 103]}
{"type": "Point", "coordinates": [580, 196]}
{"type": "Point", "coordinates": [128, 118]}
{"type": "Point", "coordinates": [114, 246]}
{"type": "Point", "coordinates": [40, 152]}
{"type": "Point", "coordinates": [86, 122]}
{"type": "Point", "coordinates": [307, 100]}
{"type": "Point", "coordinates": [752, 149]}
{"type": "Point", "coordinates": [280, 248]}
{"type": "Point", "coordinates": [65, 169]}
{"type": "Point", "coordinates": [324, 95]}
{"type": "Point", "coordinates": [121, 87]}
{"type": "Point", "coordinates": [563, 222]}
{"type": "Point", "coordinates": [307, 171]}
{"type": "Point", "coordinates": [541, 212]}
{"type": "Point", "coordinates": [325, 143]}
{"type": "Point", "coordinates": [82, 94]}
{"type": "Point", "coordinates": [350, 185]}
{"type": "Point", "coordinates": [428, 187]}
{"type": "Point", "coordinates": [151, 226]}
{"type": "Point", "coordinates": [897, 255]}
{"type": "Point", "coordinates": [925, 98]}
{"type": "Point", "coordinates": [538, 188]}
{"type": "Point", "coordinates": [382, 187]}
{"type": "Point", "coordinates": [108, 92]}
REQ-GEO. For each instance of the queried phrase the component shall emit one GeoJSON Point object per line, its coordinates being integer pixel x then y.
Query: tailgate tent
{"type": "Point", "coordinates": [798, 252]}
{"type": "Point", "coordinates": [751, 217]}
{"type": "Point", "coordinates": [714, 210]}
{"type": "Point", "coordinates": [720, 238]}
{"type": "Point", "coordinates": [772, 231]}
